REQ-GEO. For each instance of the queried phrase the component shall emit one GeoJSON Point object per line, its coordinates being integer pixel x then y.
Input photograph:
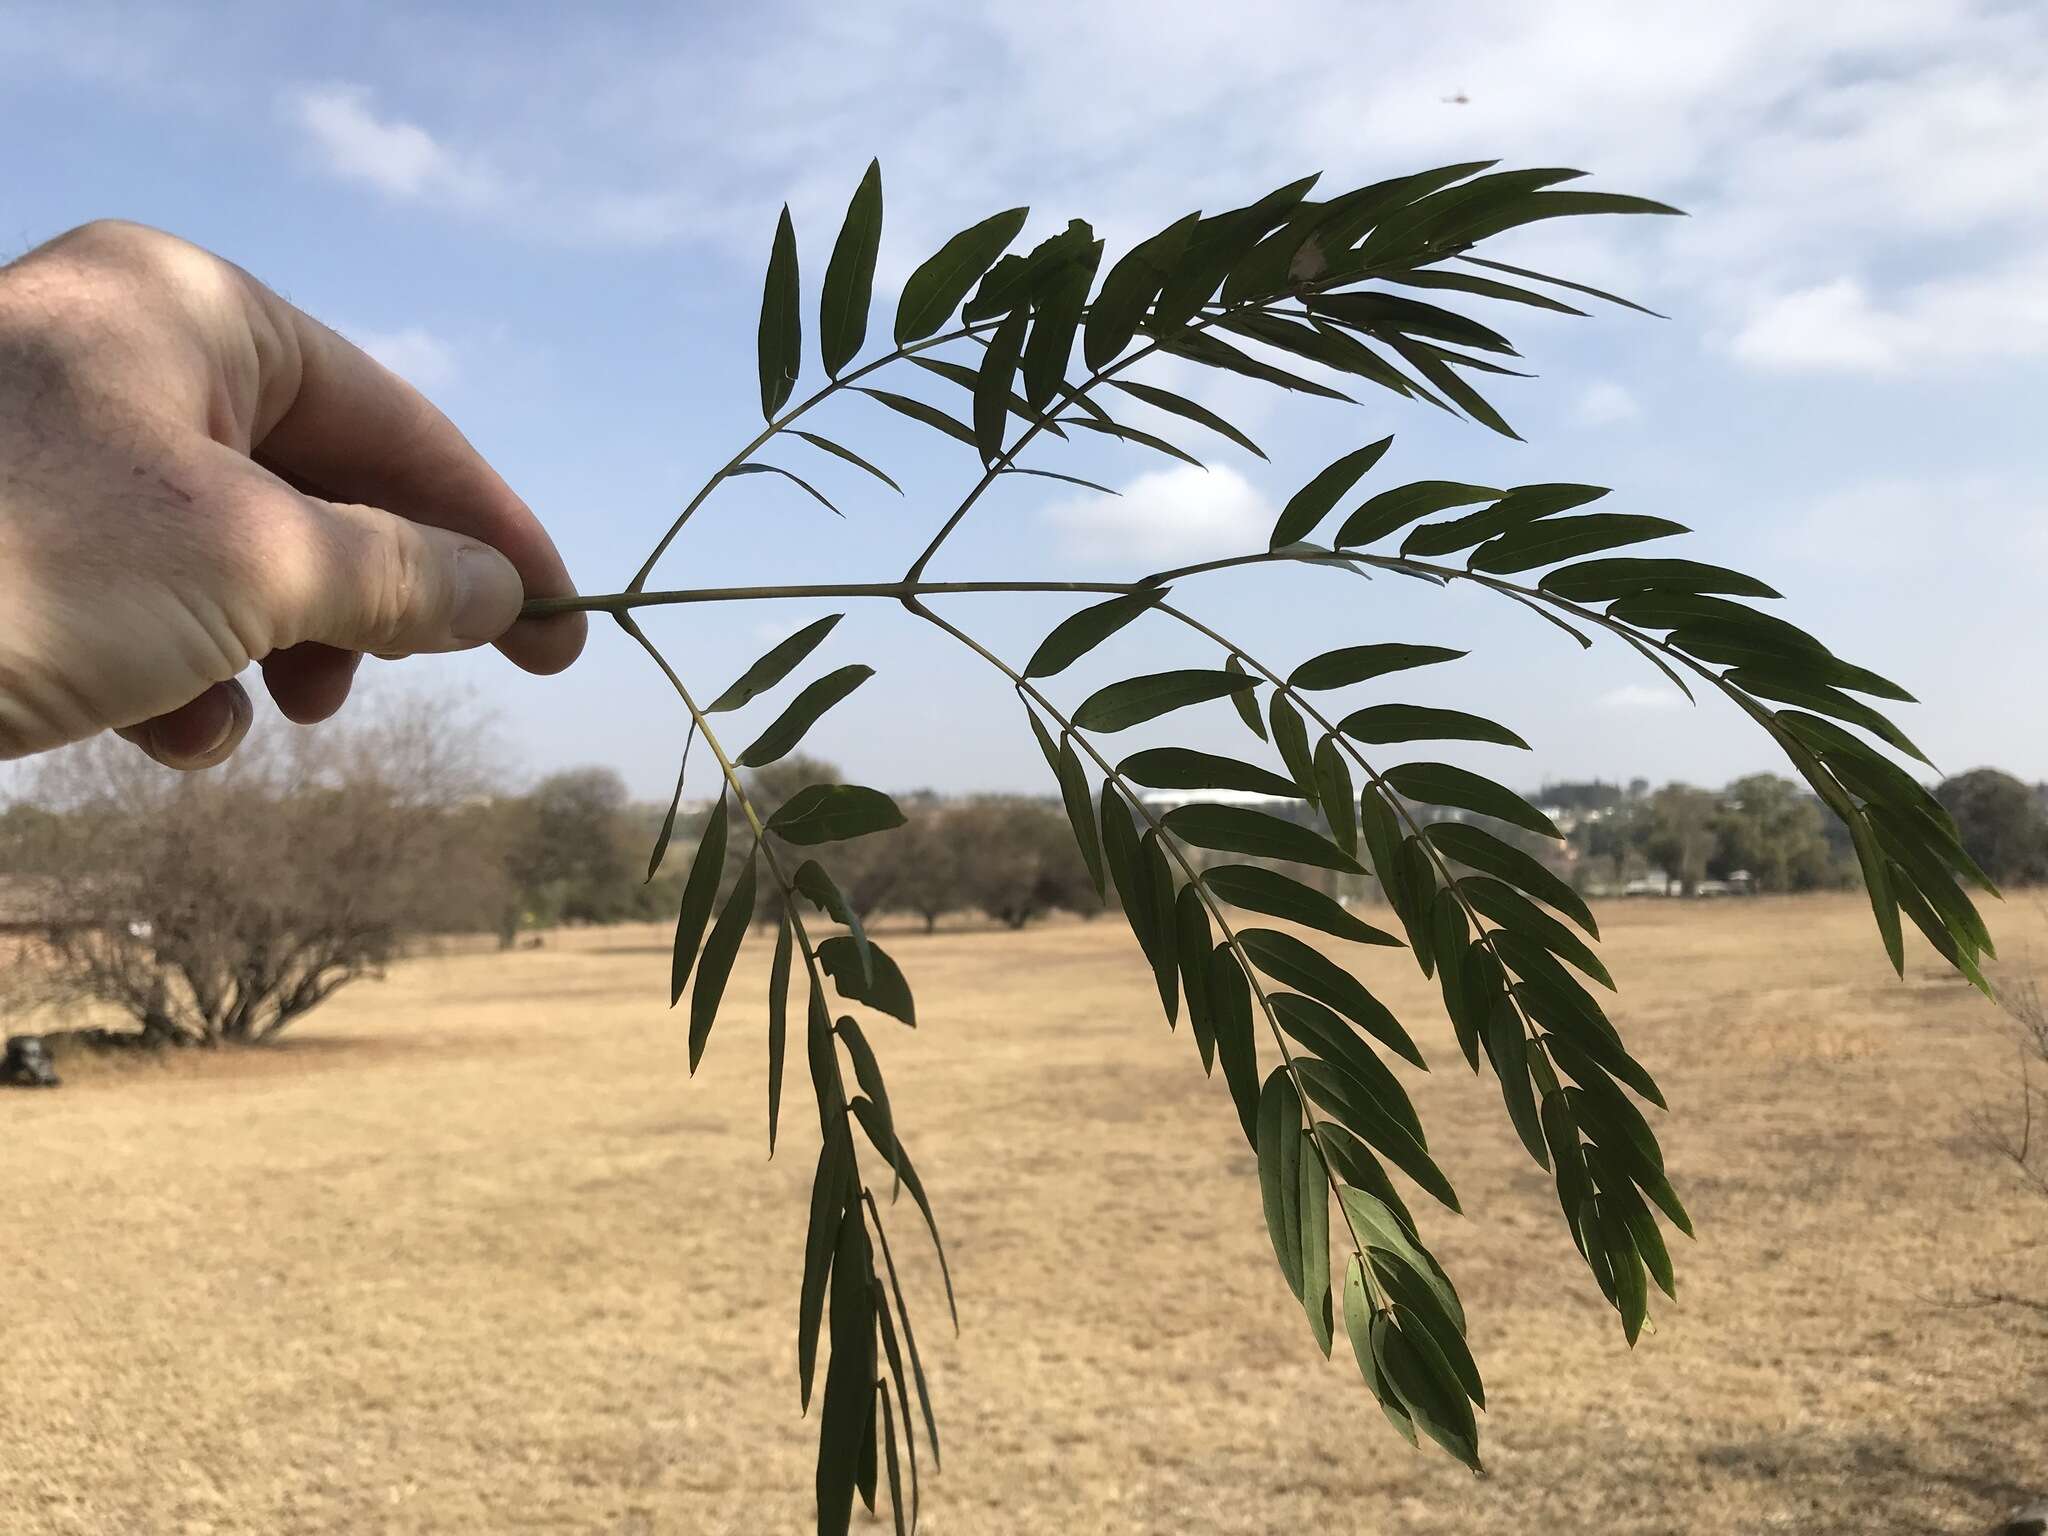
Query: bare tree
{"type": "Point", "coordinates": [220, 908]}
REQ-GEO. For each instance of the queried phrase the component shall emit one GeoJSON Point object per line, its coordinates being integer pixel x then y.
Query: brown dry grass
{"type": "Point", "coordinates": [469, 1254]}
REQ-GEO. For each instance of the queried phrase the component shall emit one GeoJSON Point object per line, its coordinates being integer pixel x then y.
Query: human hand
{"type": "Point", "coordinates": [194, 476]}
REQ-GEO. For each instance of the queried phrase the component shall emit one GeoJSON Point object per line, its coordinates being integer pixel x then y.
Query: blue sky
{"type": "Point", "coordinates": [554, 220]}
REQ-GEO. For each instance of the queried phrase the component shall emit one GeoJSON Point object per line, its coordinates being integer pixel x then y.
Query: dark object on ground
{"type": "Point", "coordinates": [26, 1064]}
{"type": "Point", "coordinates": [2030, 1521]}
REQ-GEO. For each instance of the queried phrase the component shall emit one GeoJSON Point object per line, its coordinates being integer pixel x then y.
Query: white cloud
{"type": "Point", "coordinates": [1607, 404]}
{"type": "Point", "coordinates": [1182, 513]}
{"type": "Point", "coordinates": [414, 353]}
{"type": "Point", "coordinates": [1977, 531]}
{"type": "Point", "coordinates": [398, 158]}
{"type": "Point", "coordinates": [1641, 698]}
{"type": "Point", "coordinates": [1839, 326]}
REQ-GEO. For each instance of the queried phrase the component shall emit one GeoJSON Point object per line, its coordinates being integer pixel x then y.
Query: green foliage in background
{"type": "Point", "coordinates": [1373, 288]}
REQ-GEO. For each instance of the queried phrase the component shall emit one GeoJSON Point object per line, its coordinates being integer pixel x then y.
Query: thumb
{"type": "Point", "coordinates": [395, 587]}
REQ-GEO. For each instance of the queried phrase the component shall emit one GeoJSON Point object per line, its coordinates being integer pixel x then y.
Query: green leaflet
{"type": "Point", "coordinates": [1333, 787]}
{"type": "Point", "coordinates": [700, 889]}
{"type": "Point", "coordinates": [1425, 1384]}
{"type": "Point", "coordinates": [1358, 1319]}
{"type": "Point", "coordinates": [935, 289]}
{"type": "Point", "coordinates": [867, 1071]}
{"type": "Point", "coordinates": [1800, 660]}
{"type": "Point", "coordinates": [1246, 700]}
{"type": "Point", "coordinates": [1442, 784]}
{"type": "Point", "coordinates": [1277, 895]}
{"type": "Point", "coordinates": [1559, 282]}
{"type": "Point", "coordinates": [1508, 1048]}
{"type": "Point", "coordinates": [1295, 964]}
{"type": "Point", "coordinates": [1332, 1041]}
{"type": "Point", "coordinates": [1119, 706]}
{"type": "Point", "coordinates": [992, 385]}
{"type": "Point", "coordinates": [779, 339]}
{"type": "Point", "coordinates": [1511, 909]}
{"type": "Point", "coordinates": [849, 1377]}
{"type": "Point", "coordinates": [1230, 998]}
{"type": "Point", "coordinates": [1481, 850]}
{"type": "Point", "coordinates": [917, 410]}
{"type": "Point", "coordinates": [1192, 944]}
{"type": "Point", "coordinates": [1080, 805]}
{"type": "Point", "coordinates": [1187, 410]}
{"type": "Point", "coordinates": [1239, 829]}
{"type": "Point", "coordinates": [1356, 1166]}
{"type": "Point", "coordinates": [1383, 723]}
{"type": "Point", "coordinates": [781, 738]}
{"type": "Point", "coordinates": [1450, 941]}
{"type": "Point", "coordinates": [1395, 509]}
{"type": "Point", "coordinates": [818, 887]}
{"type": "Point", "coordinates": [778, 1022]}
{"type": "Point", "coordinates": [1185, 768]}
{"type": "Point", "coordinates": [1560, 205]}
{"type": "Point", "coordinates": [719, 952]}
{"type": "Point", "coordinates": [866, 974]}
{"type": "Point", "coordinates": [1314, 501]}
{"type": "Point", "coordinates": [1595, 581]}
{"type": "Point", "coordinates": [826, 445]}
{"type": "Point", "coordinates": [1360, 663]}
{"type": "Point", "coordinates": [1055, 320]}
{"type": "Point", "coordinates": [1521, 505]}
{"type": "Point", "coordinates": [969, 378]}
{"type": "Point", "coordinates": [1391, 314]}
{"type": "Point", "coordinates": [1364, 1115]}
{"type": "Point", "coordinates": [1213, 352]}
{"type": "Point", "coordinates": [1290, 735]}
{"type": "Point", "coordinates": [668, 820]}
{"type": "Point", "coordinates": [829, 813]}
{"type": "Point", "coordinates": [1566, 538]}
{"type": "Point", "coordinates": [1483, 287]}
{"type": "Point", "coordinates": [865, 1112]}
{"type": "Point", "coordinates": [1314, 1208]}
{"type": "Point", "coordinates": [776, 663]}
{"type": "Point", "coordinates": [794, 479]}
{"type": "Point", "coordinates": [1411, 1290]}
{"type": "Point", "coordinates": [1279, 1148]}
{"type": "Point", "coordinates": [1132, 870]}
{"type": "Point", "coordinates": [850, 275]}
{"type": "Point", "coordinates": [1129, 288]}
{"type": "Point", "coordinates": [1434, 364]}
{"type": "Point", "coordinates": [1133, 435]}
{"type": "Point", "coordinates": [1158, 884]}
{"type": "Point", "coordinates": [1079, 633]}
{"type": "Point", "coordinates": [1823, 700]}
{"type": "Point", "coordinates": [831, 1193]}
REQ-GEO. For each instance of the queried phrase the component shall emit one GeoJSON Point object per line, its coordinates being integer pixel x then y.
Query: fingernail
{"type": "Point", "coordinates": [487, 595]}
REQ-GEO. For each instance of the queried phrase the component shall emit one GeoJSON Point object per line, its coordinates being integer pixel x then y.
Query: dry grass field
{"type": "Point", "coordinates": [469, 1253]}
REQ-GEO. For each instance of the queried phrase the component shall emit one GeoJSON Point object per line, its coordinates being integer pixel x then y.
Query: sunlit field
{"type": "Point", "coordinates": [470, 1252]}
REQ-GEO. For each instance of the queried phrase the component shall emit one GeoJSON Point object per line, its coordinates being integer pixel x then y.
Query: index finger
{"type": "Point", "coordinates": [354, 431]}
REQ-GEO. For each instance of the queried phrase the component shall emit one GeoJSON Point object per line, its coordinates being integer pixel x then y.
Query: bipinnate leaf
{"type": "Point", "coordinates": [782, 737]}
{"type": "Point", "coordinates": [780, 337]}
{"type": "Point", "coordinates": [850, 275]}
{"type": "Point", "coordinates": [1079, 633]}
{"type": "Point", "coordinates": [719, 952]}
{"type": "Point", "coordinates": [1307, 507]}
{"type": "Point", "coordinates": [935, 289]}
{"type": "Point", "coordinates": [700, 890]}
{"type": "Point", "coordinates": [775, 664]}
{"type": "Point", "coordinates": [1119, 706]}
